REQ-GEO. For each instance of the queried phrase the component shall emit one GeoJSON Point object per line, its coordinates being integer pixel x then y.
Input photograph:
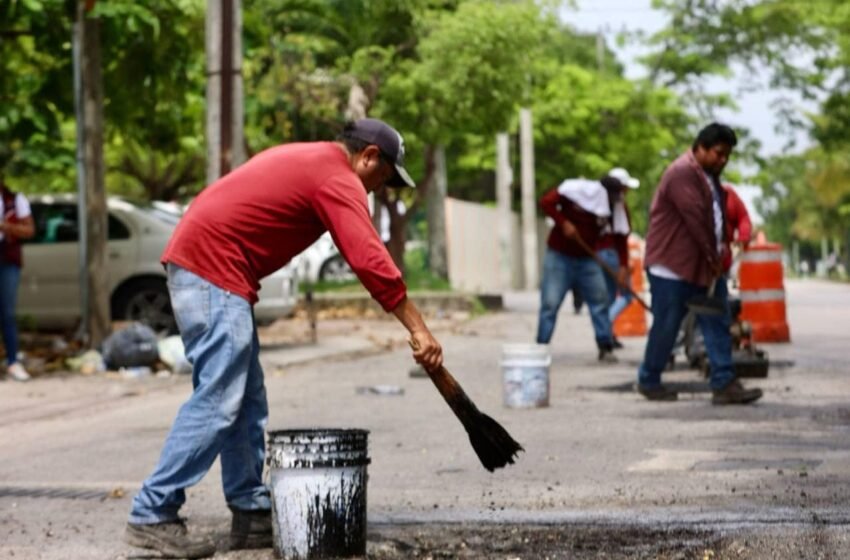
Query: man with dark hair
{"type": "Point", "coordinates": [241, 228]}
{"type": "Point", "coordinates": [684, 247]}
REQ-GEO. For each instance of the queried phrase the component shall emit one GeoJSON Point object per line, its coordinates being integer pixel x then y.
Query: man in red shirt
{"type": "Point", "coordinates": [739, 228]}
{"type": "Point", "coordinates": [241, 228]}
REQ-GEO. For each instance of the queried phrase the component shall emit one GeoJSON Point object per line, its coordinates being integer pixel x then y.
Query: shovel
{"type": "Point", "coordinates": [492, 443]}
{"type": "Point", "coordinates": [707, 304]}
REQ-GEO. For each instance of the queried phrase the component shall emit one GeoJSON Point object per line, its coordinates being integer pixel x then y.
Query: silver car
{"type": "Point", "coordinates": [49, 293]}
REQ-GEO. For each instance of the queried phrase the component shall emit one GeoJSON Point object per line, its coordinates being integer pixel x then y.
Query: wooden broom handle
{"type": "Point", "coordinates": [609, 271]}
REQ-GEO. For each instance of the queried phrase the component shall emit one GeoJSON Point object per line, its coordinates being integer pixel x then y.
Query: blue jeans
{"type": "Point", "coordinates": [227, 412]}
{"type": "Point", "coordinates": [562, 273]}
{"type": "Point", "coordinates": [10, 276]}
{"type": "Point", "coordinates": [617, 302]}
{"type": "Point", "coordinates": [669, 299]}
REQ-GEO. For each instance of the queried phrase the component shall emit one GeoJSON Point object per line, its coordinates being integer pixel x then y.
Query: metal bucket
{"type": "Point", "coordinates": [318, 486]}
{"type": "Point", "coordinates": [525, 374]}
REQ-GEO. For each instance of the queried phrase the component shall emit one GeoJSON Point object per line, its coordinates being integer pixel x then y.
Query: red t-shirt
{"type": "Point", "coordinates": [252, 221]}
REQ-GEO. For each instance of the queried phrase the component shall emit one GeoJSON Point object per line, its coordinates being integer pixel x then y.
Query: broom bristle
{"type": "Point", "coordinates": [492, 443]}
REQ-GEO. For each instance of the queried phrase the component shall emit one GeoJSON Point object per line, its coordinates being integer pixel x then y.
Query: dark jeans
{"type": "Point", "coordinates": [10, 276]}
{"type": "Point", "coordinates": [669, 299]}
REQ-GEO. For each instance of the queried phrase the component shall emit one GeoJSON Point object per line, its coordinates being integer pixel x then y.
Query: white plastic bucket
{"type": "Point", "coordinates": [318, 485]}
{"type": "Point", "coordinates": [525, 375]}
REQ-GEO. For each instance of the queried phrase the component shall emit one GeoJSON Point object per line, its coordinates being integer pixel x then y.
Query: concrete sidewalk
{"type": "Point", "coordinates": [600, 457]}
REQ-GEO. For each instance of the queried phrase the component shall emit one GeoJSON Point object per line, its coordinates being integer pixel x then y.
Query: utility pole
{"type": "Point", "coordinates": [503, 206]}
{"type": "Point", "coordinates": [225, 136]}
{"type": "Point", "coordinates": [600, 49]}
{"type": "Point", "coordinates": [529, 202]}
{"type": "Point", "coordinates": [91, 205]}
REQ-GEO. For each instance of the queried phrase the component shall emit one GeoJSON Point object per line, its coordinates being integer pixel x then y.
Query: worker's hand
{"type": "Point", "coordinates": [426, 349]}
{"type": "Point", "coordinates": [568, 229]}
{"type": "Point", "coordinates": [623, 275]}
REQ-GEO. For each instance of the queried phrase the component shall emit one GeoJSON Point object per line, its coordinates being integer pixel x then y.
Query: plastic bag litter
{"type": "Point", "coordinates": [389, 390]}
{"type": "Point", "coordinates": [173, 354]}
{"type": "Point", "coordinates": [133, 346]}
{"type": "Point", "coordinates": [87, 363]}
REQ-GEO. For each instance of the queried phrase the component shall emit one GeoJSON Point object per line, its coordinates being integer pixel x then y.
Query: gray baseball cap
{"type": "Point", "coordinates": [390, 142]}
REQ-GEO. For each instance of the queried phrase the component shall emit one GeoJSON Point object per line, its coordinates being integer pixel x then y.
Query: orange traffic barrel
{"type": "Point", "coordinates": [632, 321]}
{"type": "Point", "coordinates": [762, 292]}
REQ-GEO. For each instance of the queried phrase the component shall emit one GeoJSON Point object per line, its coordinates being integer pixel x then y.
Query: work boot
{"type": "Point", "coordinates": [660, 393]}
{"type": "Point", "coordinates": [171, 539]}
{"type": "Point", "coordinates": [735, 393]}
{"type": "Point", "coordinates": [251, 529]}
{"type": "Point", "coordinates": [606, 355]}
{"type": "Point", "coordinates": [617, 344]}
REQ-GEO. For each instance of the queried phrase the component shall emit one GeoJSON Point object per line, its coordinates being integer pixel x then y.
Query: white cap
{"type": "Point", "coordinates": [623, 176]}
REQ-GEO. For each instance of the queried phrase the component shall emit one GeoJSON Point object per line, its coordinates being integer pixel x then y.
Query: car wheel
{"type": "Point", "coordinates": [335, 269]}
{"type": "Point", "coordinates": [145, 300]}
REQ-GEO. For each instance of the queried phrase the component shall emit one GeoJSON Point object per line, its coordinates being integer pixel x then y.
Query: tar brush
{"type": "Point", "coordinates": [492, 443]}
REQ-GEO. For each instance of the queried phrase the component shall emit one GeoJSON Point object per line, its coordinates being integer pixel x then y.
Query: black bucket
{"type": "Point", "coordinates": [318, 483]}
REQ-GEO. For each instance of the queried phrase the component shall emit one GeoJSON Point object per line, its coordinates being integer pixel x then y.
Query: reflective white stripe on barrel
{"type": "Point", "coordinates": [762, 295]}
{"type": "Point", "coordinates": [761, 256]}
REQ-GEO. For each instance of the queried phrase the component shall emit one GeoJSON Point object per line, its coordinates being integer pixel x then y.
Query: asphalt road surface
{"type": "Point", "coordinates": [605, 472]}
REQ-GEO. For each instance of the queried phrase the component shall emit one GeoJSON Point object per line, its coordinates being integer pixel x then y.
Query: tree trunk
{"type": "Point", "coordinates": [386, 200]}
{"type": "Point", "coordinates": [97, 319]}
{"type": "Point", "coordinates": [436, 214]}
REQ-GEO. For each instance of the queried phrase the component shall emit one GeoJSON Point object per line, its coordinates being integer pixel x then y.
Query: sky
{"type": "Point", "coordinates": [615, 16]}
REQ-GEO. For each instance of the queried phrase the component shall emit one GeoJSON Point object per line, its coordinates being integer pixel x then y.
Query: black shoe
{"type": "Point", "coordinates": [171, 539]}
{"type": "Point", "coordinates": [606, 356]}
{"type": "Point", "coordinates": [660, 393]}
{"type": "Point", "coordinates": [251, 529]}
{"type": "Point", "coordinates": [616, 343]}
{"type": "Point", "coordinates": [735, 393]}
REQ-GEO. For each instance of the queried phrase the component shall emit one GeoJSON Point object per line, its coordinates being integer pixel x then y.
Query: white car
{"type": "Point", "coordinates": [322, 261]}
{"type": "Point", "coordinates": [49, 292]}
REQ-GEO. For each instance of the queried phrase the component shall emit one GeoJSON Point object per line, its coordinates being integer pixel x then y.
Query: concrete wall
{"type": "Point", "coordinates": [473, 248]}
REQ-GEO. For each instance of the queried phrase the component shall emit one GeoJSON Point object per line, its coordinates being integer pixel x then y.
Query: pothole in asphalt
{"type": "Point", "coordinates": [507, 542]}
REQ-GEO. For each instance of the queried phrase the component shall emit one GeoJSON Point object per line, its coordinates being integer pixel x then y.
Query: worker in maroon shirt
{"type": "Point", "coordinates": [241, 228]}
{"type": "Point", "coordinates": [684, 248]}
{"type": "Point", "coordinates": [580, 209]}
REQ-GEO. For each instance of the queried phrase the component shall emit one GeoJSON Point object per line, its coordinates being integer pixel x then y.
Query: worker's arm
{"type": "Point", "coordinates": [550, 203]}
{"type": "Point", "coordinates": [684, 191]}
{"type": "Point", "coordinates": [427, 350]}
{"type": "Point", "coordinates": [744, 226]}
{"type": "Point", "coordinates": [341, 206]}
{"type": "Point", "coordinates": [22, 229]}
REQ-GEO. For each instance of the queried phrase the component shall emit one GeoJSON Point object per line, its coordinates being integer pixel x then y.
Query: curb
{"type": "Point", "coordinates": [427, 302]}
